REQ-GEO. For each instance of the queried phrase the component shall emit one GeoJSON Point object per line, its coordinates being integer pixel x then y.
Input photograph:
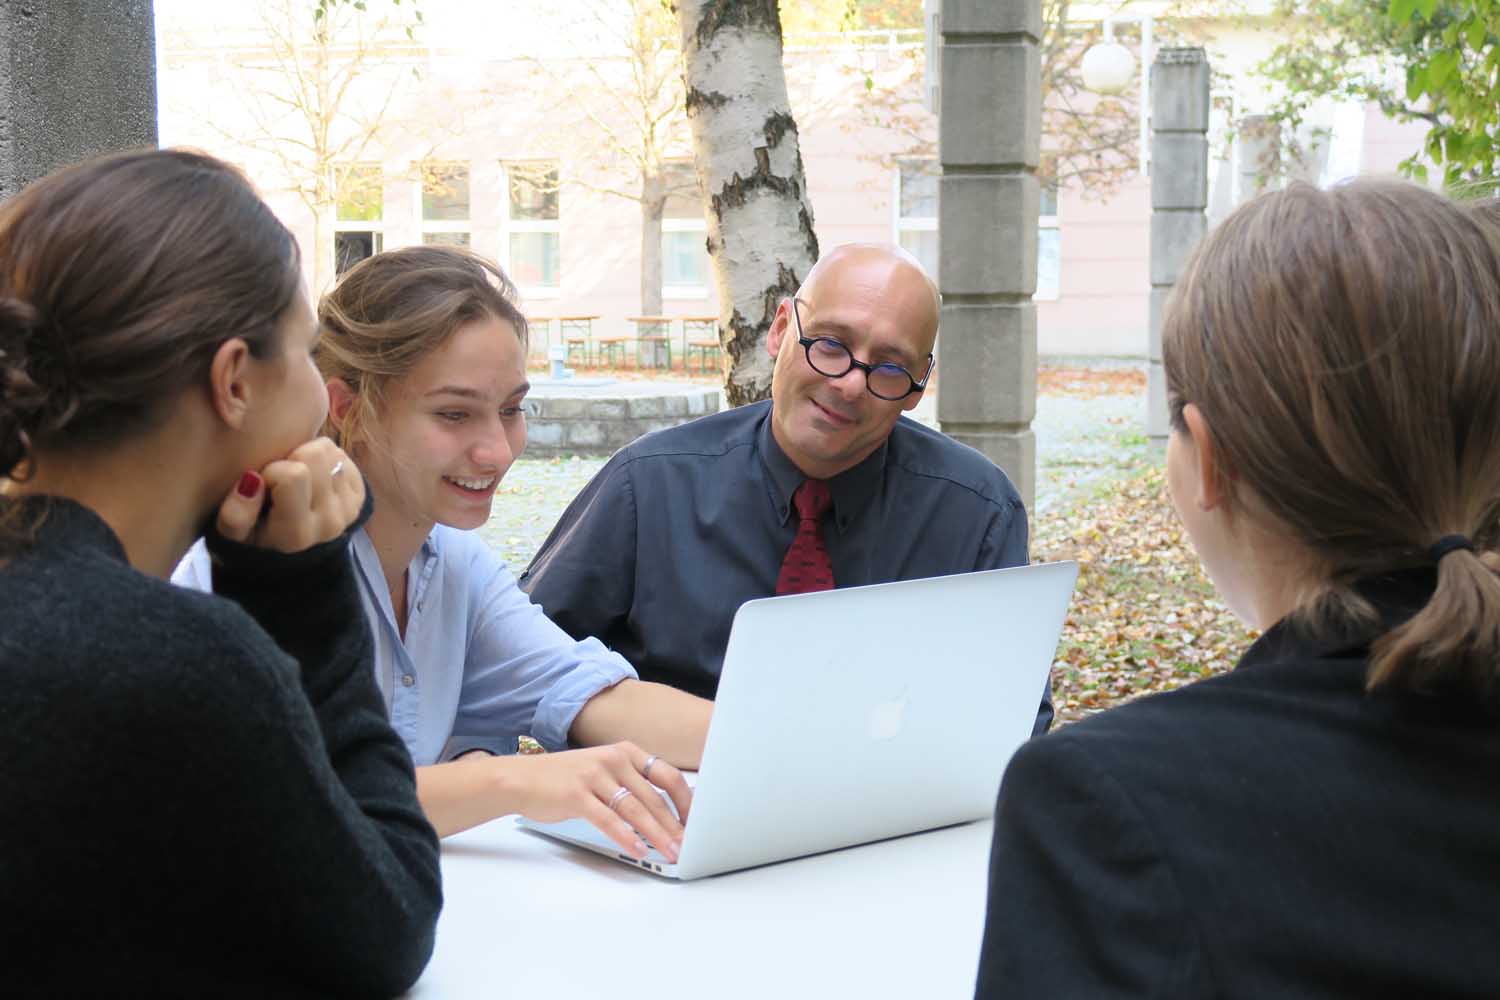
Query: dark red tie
{"type": "Point", "coordinates": [807, 566]}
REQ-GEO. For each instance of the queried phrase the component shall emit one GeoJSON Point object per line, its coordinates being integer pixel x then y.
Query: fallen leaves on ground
{"type": "Point", "coordinates": [1089, 383]}
{"type": "Point", "coordinates": [1143, 618]}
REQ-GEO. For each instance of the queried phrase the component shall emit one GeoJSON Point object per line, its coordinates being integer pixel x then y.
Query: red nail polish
{"type": "Point", "coordinates": [249, 484]}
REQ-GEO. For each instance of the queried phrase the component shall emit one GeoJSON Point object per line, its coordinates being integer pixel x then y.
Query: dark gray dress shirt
{"type": "Point", "coordinates": [683, 526]}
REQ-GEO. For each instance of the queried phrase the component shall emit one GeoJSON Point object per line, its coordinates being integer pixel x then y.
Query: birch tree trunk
{"type": "Point", "coordinates": [760, 223]}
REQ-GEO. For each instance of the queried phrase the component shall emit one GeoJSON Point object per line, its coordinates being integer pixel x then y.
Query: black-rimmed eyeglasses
{"type": "Point", "coordinates": [831, 359]}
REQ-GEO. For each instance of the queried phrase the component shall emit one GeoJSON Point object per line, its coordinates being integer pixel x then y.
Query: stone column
{"type": "Point", "coordinates": [1179, 195]}
{"type": "Point", "coordinates": [989, 142]}
{"type": "Point", "coordinates": [77, 78]}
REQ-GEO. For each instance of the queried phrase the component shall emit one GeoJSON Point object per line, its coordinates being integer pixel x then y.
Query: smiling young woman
{"type": "Point", "coordinates": [424, 350]}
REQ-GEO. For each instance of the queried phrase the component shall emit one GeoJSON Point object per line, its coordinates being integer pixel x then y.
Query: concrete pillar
{"type": "Point", "coordinates": [77, 78]}
{"type": "Point", "coordinates": [1259, 155]}
{"type": "Point", "coordinates": [989, 136]}
{"type": "Point", "coordinates": [1179, 195]}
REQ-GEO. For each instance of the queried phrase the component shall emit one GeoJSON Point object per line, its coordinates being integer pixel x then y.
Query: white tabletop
{"type": "Point", "coordinates": [528, 917]}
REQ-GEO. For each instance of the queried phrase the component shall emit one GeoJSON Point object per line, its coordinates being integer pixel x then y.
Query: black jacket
{"type": "Point", "coordinates": [200, 796]}
{"type": "Point", "coordinates": [1274, 832]}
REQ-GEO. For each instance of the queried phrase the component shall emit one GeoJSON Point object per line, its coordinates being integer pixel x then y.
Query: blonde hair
{"type": "Point", "coordinates": [393, 309]}
{"type": "Point", "coordinates": [1343, 347]}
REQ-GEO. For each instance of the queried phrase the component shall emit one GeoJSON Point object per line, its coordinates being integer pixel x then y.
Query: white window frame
{"type": "Point", "coordinates": [426, 225]}
{"type": "Point", "coordinates": [377, 226]}
{"type": "Point", "coordinates": [509, 226]}
{"type": "Point", "coordinates": [700, 227]}
{"type": "Point", "coordinates": [1045, 223]}
{"type": "Point", "coordinates": [908, 223]}
{"type": "Point", "coordinates": [697, 225]}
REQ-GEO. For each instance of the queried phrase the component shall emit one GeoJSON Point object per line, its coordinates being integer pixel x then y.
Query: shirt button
{"type": "Point", "coordinates": [407, 680]}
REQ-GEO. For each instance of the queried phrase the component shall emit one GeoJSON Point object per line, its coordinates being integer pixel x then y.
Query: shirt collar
{"type": "Point", "coordinates": [368, 562]}
{"type": "Point", "coordinates": [852, 489]}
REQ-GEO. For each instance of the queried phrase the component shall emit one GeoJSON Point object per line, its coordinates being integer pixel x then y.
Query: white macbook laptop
{"type": "Point", "coordinates": [853, 715]}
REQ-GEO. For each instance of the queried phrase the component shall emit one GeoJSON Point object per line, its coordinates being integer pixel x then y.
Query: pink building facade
{"type": "Point", "coordinates": [512, 180]}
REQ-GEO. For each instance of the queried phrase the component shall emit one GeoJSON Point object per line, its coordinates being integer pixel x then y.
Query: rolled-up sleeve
{"type": "Point", "coordinates": [523, 675]}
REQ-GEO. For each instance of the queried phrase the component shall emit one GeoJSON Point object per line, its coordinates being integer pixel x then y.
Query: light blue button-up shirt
{"type": "Point", "coordinates": [480, 664]}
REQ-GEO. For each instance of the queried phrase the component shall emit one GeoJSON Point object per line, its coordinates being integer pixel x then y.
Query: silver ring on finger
{"type": "Point", "coordinates": [337, 468]}
{"type": "Point", "coordinates": [646, 768]}
{"type": "Point", "coordinates": [620, 796]}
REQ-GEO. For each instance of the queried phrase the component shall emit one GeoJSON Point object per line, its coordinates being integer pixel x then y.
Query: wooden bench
{"type": "Point", "coordinates": [653, 341]}
{"type": "Point", "coordinates": [577, 333]}
{"type": "Point", "coordinates": [611, 353]}
{"type": "Point", "coordinates": [538, 325]}
{"type": "Point", "coordinates": [700, 339]}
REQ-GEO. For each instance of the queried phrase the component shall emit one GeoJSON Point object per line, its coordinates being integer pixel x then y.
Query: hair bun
{"type": "Point", "coordinates": [17, 319]}
{"type": "Point", "coordinates": [21, 397]}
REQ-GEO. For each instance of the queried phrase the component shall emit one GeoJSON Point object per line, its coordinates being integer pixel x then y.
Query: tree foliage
{"type": "Point", "coordinates": [1430, 61]}
{"type": "Point", "coordinates": [800, 17]}
{"type": "Point", "coordinates": [626, 112]}
{"type": "Point", "coordinates": [325, 11]}
{"type": "Point", "coordinates": [320, 95]}
{"type": "Point", "coordinates": [1090, 141]}
{"type": "Point", "coordinates": [1456, 69]}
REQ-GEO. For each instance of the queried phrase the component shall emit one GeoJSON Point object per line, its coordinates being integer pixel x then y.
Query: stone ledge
{"type": "Point", "coordinates": [599, 416]}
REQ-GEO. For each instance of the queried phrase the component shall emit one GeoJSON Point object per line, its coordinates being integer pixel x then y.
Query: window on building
{"type": "Point", "coordinates": [533, 224]}
{"type": "Point", "coordinates": [917, 211]}
{"type": "Point", "coordinates": [1048, 244]}
{"type": "Point", "coordinates": [684, 251]}
{"type": "Point", "coordinates": [359, 214]}
{"type": "Point", "coordinates": [445, 204]}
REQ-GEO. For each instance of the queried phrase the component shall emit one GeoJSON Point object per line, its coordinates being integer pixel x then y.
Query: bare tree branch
{"type": "Point", "coordinates": [306, 89]}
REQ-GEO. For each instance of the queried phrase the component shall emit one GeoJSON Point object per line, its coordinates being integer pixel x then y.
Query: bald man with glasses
{"type": "Point", "coordinates": [821, 486]}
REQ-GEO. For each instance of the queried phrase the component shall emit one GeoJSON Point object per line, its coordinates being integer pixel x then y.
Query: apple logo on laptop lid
{"type": "Point", "coordinates": [888, 717]}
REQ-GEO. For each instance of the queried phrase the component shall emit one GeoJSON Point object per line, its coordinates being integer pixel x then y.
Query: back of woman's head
{"type": "Point", "coordinates": [1344, 349]}
{"type": "Point", "coordinates": [392, 310]}
{"type": "Point", "coordinates": [119, 279]}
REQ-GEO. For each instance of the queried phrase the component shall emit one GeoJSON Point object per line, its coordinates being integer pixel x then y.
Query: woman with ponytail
{"type": "Point", "coordinates": [201, 795]}
{"type": "Point", "coordinates": [1322, 820]}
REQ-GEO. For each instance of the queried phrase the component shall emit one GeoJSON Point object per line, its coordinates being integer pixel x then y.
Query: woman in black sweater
{"type": "Point", "coordinates": [1322, 821]}
{"type": "Point", "coordinates": [201, 796]}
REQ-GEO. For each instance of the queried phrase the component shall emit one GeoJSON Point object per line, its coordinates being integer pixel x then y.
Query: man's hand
{"type": "Point", "coordinates": [294, 503]}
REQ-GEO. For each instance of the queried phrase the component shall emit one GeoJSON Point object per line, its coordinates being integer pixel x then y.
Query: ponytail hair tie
{"type": "Point", "coordinates": [1449, 543]}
